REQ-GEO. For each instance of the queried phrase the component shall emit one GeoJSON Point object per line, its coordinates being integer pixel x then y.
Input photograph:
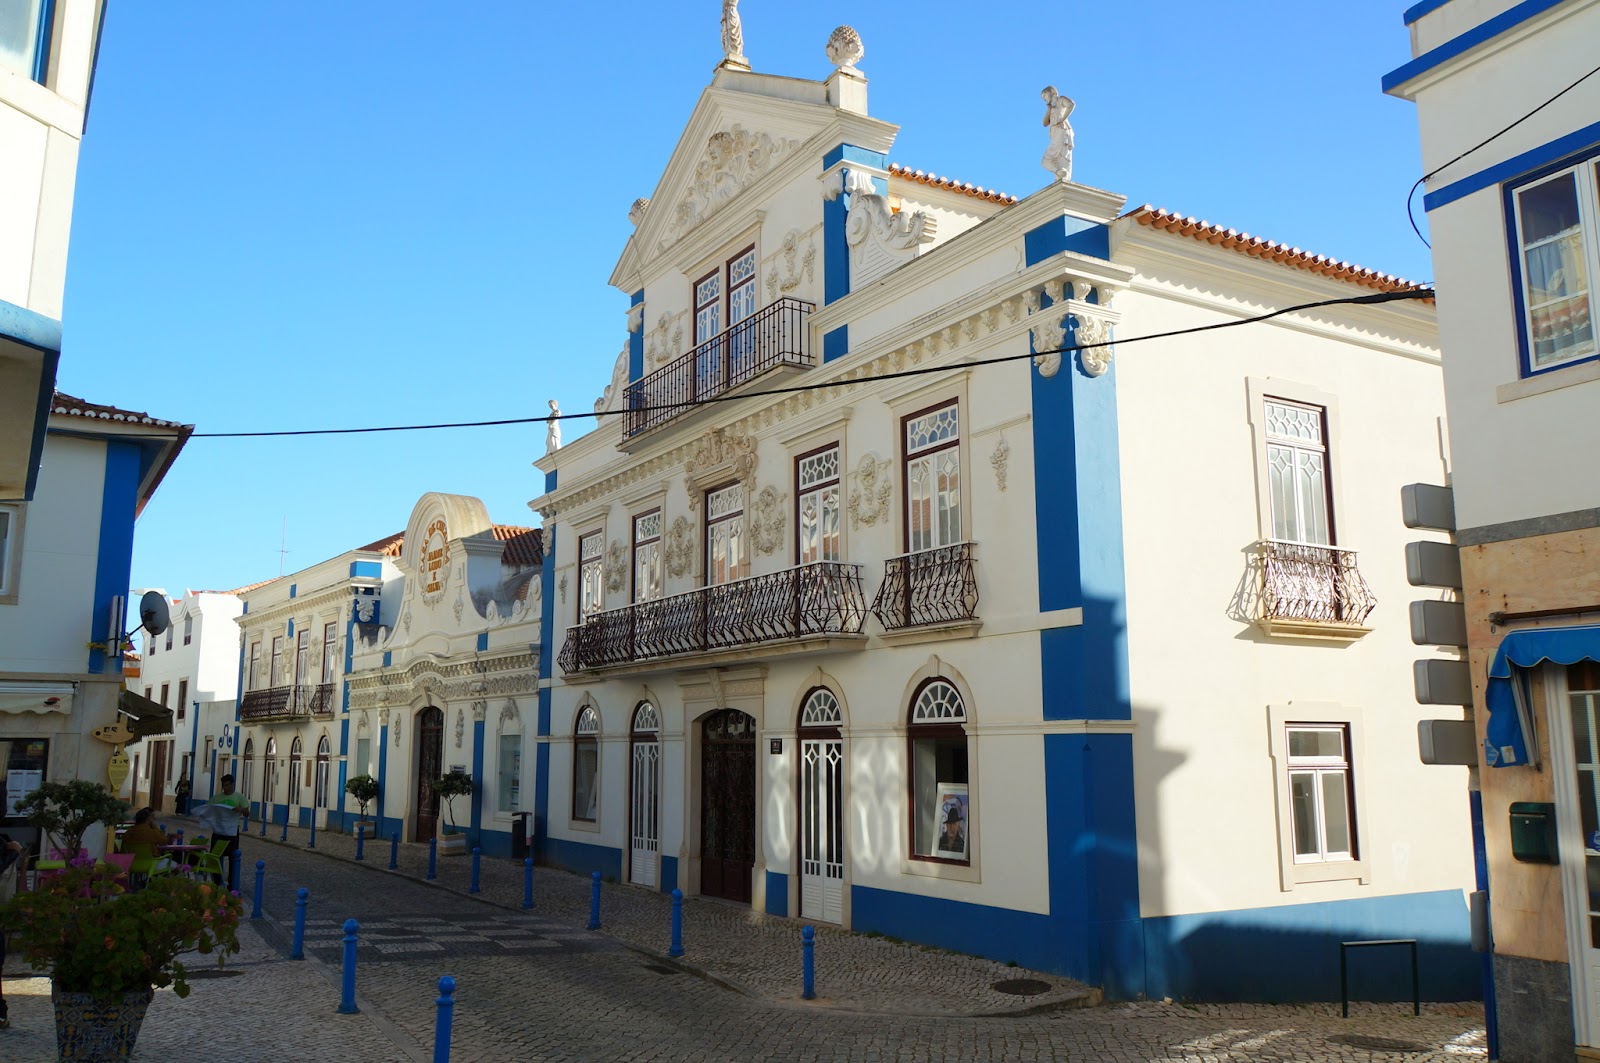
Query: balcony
{"type": "Point", "coordinates": [287, 704]}
{"type": "Point", "coordinates": [774, 337]}
{"type": "Point", "coordinates": [782, 611]}
{"type": "Point", "coordinates": [935, 588]}
{"type": "Point", "coordinates": [1310, 591]}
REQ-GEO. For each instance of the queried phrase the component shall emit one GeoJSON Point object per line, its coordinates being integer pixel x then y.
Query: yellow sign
{"type": "Point", "coordinates": [117, 770]}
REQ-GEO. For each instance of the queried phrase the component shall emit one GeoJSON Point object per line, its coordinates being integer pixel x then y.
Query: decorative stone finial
{"type": "Point", "coordinates": [636, 212]}
{"type": "Point", "coordinates": [845, 48]}
{"type": "Point", "coordinates": [733, 37]}
{"type": "Point", "coordinates": [1058, 156]}
{"type": "Point", "coordinates": [552, 432]}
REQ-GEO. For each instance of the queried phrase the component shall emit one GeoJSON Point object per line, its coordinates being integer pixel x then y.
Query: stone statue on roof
{"type": "Point", "coordinates": [733, 36]}
{"type": "Point", "coordinates": [1058, 156]}
{"type": "Point", "coordinates": [552, 431]}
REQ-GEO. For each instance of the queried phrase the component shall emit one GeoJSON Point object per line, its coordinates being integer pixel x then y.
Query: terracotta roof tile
{"type": "Point", "coordinates": [1257, 247]}
{"type": "Point", "coordinates": [247, 588]}
{"type": "Point", "coordinates": [69, 406]}
{"type": "Point", "coordinates": [388, 546]}
{"type": "Point", "coordinates": [906, 173]}
{"type": "Point", "coordinates": [524, 546]}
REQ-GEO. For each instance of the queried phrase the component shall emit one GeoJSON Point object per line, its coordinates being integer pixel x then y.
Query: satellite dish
{"type": "Point", "coordinates": [153, 615]}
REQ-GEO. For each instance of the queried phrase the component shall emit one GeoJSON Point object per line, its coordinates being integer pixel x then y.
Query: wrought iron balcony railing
{"type": "Point", "coordinates": [1313, 584]}
{"type": "Point", "coordinates": [287, 703]}
{"type": "Point", "coordinates": [818, 599]}
{"type": "Point", "coordinates": [778, 335]}
{"type": "Point", "coordinates": [928, 587]}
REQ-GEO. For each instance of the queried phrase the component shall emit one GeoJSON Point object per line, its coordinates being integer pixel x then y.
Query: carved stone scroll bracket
{"type": "Point", "coordinates": [1093, 331]}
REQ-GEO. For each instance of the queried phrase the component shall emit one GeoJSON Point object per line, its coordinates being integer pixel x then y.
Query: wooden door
{"type": "Point", "coordinates": [727, 805]}
{"type": "Point", "coordinates": [158, 774]}
{"type": "Point", "coordinates": [430, 766]}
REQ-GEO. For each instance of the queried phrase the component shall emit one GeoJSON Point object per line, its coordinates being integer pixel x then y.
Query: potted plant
{"type": "Point", "coordinates": [107, 951]}
{"type": "Point", "coordinates": [449, 786]}
{"type": "Point", "coordinates": [65, 811]}
{"type": "Point", "coordinates": [364, 788]}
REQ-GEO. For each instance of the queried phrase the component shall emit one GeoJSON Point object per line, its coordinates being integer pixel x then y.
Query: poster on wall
{"type": "Point", "coordinates": [952, 826]}
{"type": "Point", "coordinates": [19, 784]}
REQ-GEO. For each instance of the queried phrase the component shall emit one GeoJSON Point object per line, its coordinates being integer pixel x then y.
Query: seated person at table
{"type": "Point", "coordinates": [144, 832]}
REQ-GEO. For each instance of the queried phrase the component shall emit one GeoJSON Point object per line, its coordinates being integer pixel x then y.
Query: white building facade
{"type": "Point", "coordinates": [1509, 113]}
{"type": "Point", "coordinates": [1065, 659]}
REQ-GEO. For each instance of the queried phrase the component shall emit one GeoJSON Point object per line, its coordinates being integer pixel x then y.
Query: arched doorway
{"type": "Point", "coordinates": [296, 755]}
{"type": "Point", "coordinates": [727, 804]}
{"type": "Point", "coordinates": [430, 766]}
{"type": "Point", "coordinates": [242, 783]}
{"type": "Point", "coordinates": [821, 808]}
{"type": "Point", "coordinates": [269, 777]}
{"type": "Point", "coordinates": [319, 796]}
{"type": "Point", "coordinates": [644, 792]}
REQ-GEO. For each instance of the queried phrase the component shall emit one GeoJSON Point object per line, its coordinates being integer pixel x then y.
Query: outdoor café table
{"type": "Point", "coordinates": [180, 854]}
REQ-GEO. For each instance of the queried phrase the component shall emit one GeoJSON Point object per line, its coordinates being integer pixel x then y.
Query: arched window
{"type": "Point", "coordinates": [644, 796]}
{"type": "Point", "coordinates": [319, 796]}
{"type": "Point", "coordinates": [586, 765]}
{"type": "Point", "coordinates": [269, 773]}
{"type": "Point", "coordinates": [244, 766]}
{"type": "Point", "coordinates": [821, 710]}
{"type": "Point", "coordinates": [941, 804]}
{"type": "Point", "coordinates": [294, 770]}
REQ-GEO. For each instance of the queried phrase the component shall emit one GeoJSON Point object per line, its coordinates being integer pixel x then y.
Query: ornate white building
{"type": "Point", "coordinates": [1058, 657]}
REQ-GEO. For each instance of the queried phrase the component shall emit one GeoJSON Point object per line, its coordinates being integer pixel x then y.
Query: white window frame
{"type": "Point", "coordinates": [11, 552]}
{"type": "Point", "coordinates": [819, 485]}
{"type": "Point", "coordinates": [931, 455]}
{"type": "Point", "coordinates": [508, 799]}
{"type": "Point", "coordinates": [591, 574]}
{"type": "Point", "coordinates": [1587, 189]}
{"type": "Point", "coordinates": [1297, 714]}
{"type": "Point", "coordinates": [586, 729]}
{"type": "Point", "coordinates": [37, 67]}
{"type": "Point", "coordinates": [1299, 523]}
{"type": "Point", "coordinates": [330, 647]}
{"type": "Point", "coordinates": [729, 527]}
{"type": "Point", "coordinates": [252, 676]}
{"type": "Point", "coordinates": [275, 675]}
{"type": "Point", "coordinates": [1258, 391]}
{"type": "Point", "coordinates": [647, 555]}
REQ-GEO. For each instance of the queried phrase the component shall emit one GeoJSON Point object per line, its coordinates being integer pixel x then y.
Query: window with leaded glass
{"type": "Point", "coordinates": [725, 547]}
{"type": "Point", "coordinates": [932, 441]}
{"type": "Point", "coordinates": [707, 306]}
{"type": "Point", "coordinates": [1320, 793]}
{"type": "Point", "coordinates": [586, 765]}
{"type": "Point", "coordinates": [302, 648]}
{"type": "Point", "coordinates": [1297, 472]}
{"type": "Point", "coordinates": [1558, 234]}
{"type": "Point", "coordinates": [330, 651]}
{"type": "Point", "coordinates": [742, 291]}
{"type": "Point", "coordinates": [816, 481]}
{"type": "Point", "coordinates": [591, 575]}
{"type": "Point", "coordinates": [647, 556]}
{"type": "Point", "coordinates": [253, 677]}
{"type": "Point", "coordinates": [941, 802]}
{"type": "Point", "coordinates": [277, 661]}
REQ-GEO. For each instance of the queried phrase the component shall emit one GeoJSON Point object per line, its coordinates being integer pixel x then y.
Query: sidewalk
{"type": "Point", "coordinates": [747, 951]}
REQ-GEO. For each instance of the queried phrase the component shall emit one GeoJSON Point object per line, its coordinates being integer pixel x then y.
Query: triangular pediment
{"type": "Point", "coordinates": [744, 128]}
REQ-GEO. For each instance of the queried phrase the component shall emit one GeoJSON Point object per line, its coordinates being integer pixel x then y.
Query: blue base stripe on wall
{"type": "Point", "coordinates": [777, 893]}
{"type": "Point", "coordinates": [584, 858]}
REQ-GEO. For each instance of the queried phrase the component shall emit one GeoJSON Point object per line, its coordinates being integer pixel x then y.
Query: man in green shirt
{"type": "Point", "coordinates": [227, 814]}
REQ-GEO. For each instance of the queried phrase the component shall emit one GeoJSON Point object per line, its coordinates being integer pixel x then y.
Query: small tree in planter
{"type": "Point", "coordinates": [451, 785]}
{"type": "Point", "coordinates": [364, 788]}
{"type": "Point", "coordinates": [65, 811]}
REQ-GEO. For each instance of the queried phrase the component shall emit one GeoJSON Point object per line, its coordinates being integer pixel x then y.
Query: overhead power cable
{"type": "Point", "coordinates": [1354, 300]}
{"type": "Point", "coordinates": [1411, 216]}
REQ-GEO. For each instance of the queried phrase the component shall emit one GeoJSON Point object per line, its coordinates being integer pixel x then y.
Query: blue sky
{"type": "Point", "coordinates": [308, 215]}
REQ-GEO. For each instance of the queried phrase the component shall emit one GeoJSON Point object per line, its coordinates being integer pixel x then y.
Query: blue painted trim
{"type": "Point", "coordinates": [495, 843]}
{"type": "Point", "coordinates": [669, 873]}
{"type": "Point", "coordinates": [388, 658]}
{"type": "Point", "coordinates": [550, 485]}
{"type": "Point", "coordinates": [22, 325]}
{"type": "Point", "coordinates": [44, 32]}
{"type": "Point", "coordinates": [835, 250]}
{"type": "Point", "coordinates": [836, 343]}
{"type": "Point", "coordinates": [366, 569]}
{"type": "Point", "coordinates": [1479, 34]}
{"type": "Point", "coordinates": [1519, 301]}
{"type": "Point", "coordinates": [50, 361]}
{"type": "Point", "coordinates": [1563, 151]}
{"type": "Point", "coordinates": [294, 588]}
{"type": "Point", "coordinates": [541, 799]}
{"type": "Point", "coordinates": [852, 153]}
{"type": "Point", "coordinates": [583, 857]}
{"type": "Point", "coordinates": [344, 761]}
{"type": "Point", "coordinates": [383, 778]}
{"type": "Point", "coordinates": [636, 342]}
{"type": "Point", "coordinates": [246, 608]}
{"type": "Point", "coordinates": [483, 641]}
{"type": "Point", "coordinates": [777, 894]}
{"type": "Point", "coordinates": [119, 499]}
{"type": "Point", "coordinates": [1415, 12]}
{"type": "Point", "coordinates": [1066, 233]}
{"type": "Point", "coordinates": [477, 776]}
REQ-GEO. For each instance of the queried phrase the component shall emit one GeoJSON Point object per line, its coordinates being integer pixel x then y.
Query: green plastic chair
{"type": "Point", "coordinates": [146, 865]}
{"type": "Point", "coordinates": [210, 863]}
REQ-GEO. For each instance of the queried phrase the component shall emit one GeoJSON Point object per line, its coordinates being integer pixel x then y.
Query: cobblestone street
{"type": "Point", "coordinates": [537, 986]}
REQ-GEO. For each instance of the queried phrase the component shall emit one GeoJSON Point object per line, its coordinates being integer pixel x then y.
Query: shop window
{"type": "Point", "coordinates": [941, 803]}
{"type": "Point", "coordinates": [586, 765]}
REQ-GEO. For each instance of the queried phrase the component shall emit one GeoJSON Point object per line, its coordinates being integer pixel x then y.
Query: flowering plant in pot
{"type": "Point", "coordinates": [107, 950]}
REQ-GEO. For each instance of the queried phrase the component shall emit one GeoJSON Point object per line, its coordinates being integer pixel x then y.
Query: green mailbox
{"type": "Point", "coordinates": [1533, 832]}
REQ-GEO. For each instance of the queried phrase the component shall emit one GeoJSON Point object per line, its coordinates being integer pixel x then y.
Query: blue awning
{"type": "Point", "coordinates": [1510, 721]}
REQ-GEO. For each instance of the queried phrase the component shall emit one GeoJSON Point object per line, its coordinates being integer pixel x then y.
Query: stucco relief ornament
{"type": "Point", "coordinates": [715, 448]}
{"type": "Point", "coordinates": [1058, 156]}
{"type": "Point", "coordinates": [366, 606]}
{"type": "Point", "coordinates": [405, 620]}
{"type": "Point", "coordinates": [998, 458]}
{"type": "Point", "coordinates": [733, 37]}
{"type": "Point", "coordinates": [869, 502]}
{"type": "Point", "coordinates": [1094, 330]}
{"type": "Point", "coordinates": [509, 713]}
{"type": "Point", "coordinates": [636, 212]}
{"type": "Point", "coordinates": [733, 158]}
{"type": "Point", "coordinates": [615, 567]}
{"type": "Point", "coordinates": [1048, 336]}
{"type": "Point", "coordinates": [611, 397]}
{"type": "Point", "coordinates": [458, 605]}
{"type": "Point", "coordinates": [679, 547]}
{"type": "Point", "coordinates": [561, 585]}
{"type": "Point", "coordinates": [768, 519]}
{"type": "Point", "coordinates": [552, 430]}
{"type": "Point", "coordinates": [870, 215]}
{"type": "Point", "coordinates": [794, 265]}
{"type": "Point", "coordinates": [480, 709]}
{"type": "Point", "coordinates": [845, 48]}
{"type": "Point", "coordinates": [399, 722]}
{"type": "Point", "coordinates": [461, 726]}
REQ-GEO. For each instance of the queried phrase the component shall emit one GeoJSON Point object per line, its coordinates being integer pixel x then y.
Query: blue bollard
{"type": "Point", "coordinates": [527, 883]}
{"type": "Point", "coordinates": [347, 987]}
{"type": "Point", "coordinates": [297, 951]}
{"type": "Point", "coordinates": [433, 859]}
{"type": "Point", "coordinates": [180, 835]}
{"type": "Point", "coordinates": [261, 875]}
{"type": "Point", "coordinates": [477, 856]}
{"type": "Point", "coordinates": [285, 836]}
{"type": "Point", "coordinates": [594, 902]}
{"type": "Point", "coordinates": [676, 948]}
{"type": "Point", "coordinates": [313, 843]}
{"type": "Point", "coordinates": [441, 1031]}
{"type": "Point", "coordinates": [361, 837]}
{"type": "Point", "coordinates": [808, 963]}
{"type": "Point", "coordinates": [394, 850]}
